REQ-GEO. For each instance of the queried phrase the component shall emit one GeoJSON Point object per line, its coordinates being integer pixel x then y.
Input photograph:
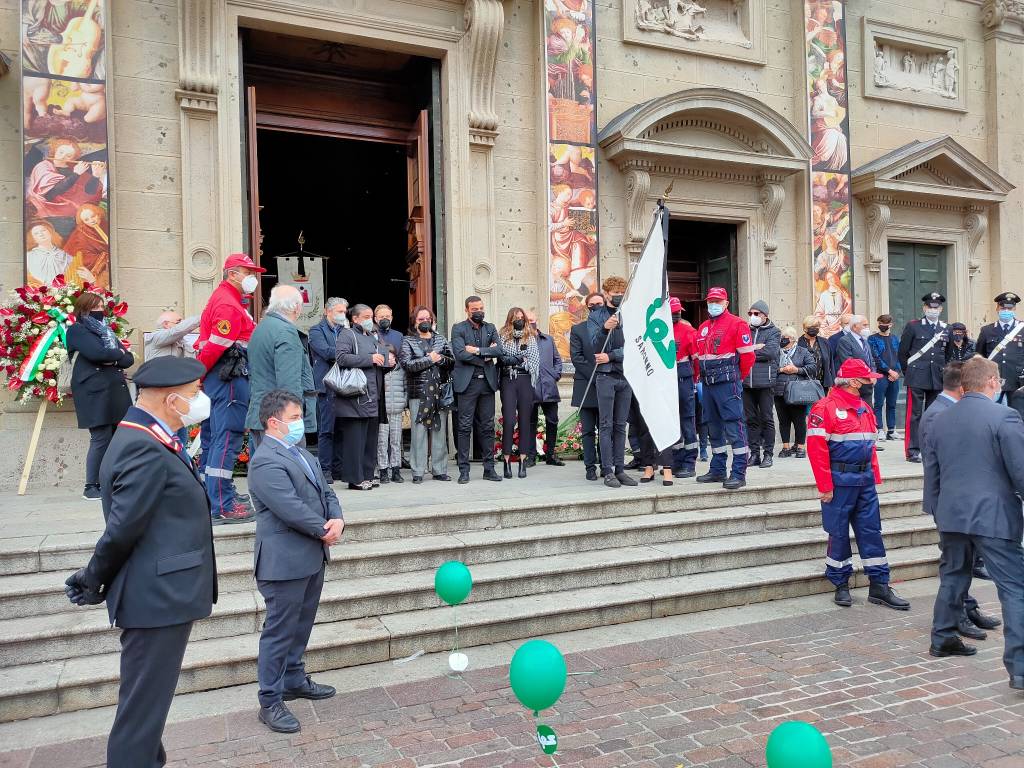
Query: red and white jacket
{"type": "Point", "coordinates": [841, 442]}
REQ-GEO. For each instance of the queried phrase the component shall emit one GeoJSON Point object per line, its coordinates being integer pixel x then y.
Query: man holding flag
{"type": "Point", "coordinates": [726, 355]}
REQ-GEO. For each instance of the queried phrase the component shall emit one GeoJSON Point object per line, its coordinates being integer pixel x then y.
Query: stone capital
{"type": "Point", "coordinates": [1004, 19]}
{"type": "Point", "coordinates": [877, 218]}
{"type": "Point", "coordinates": [772, 196]}
{"type": "Point", "coordinates": [485, 25]}
{"type": "Point", "coordinates": [638, 184]}
{"type": "Point", "coordinates": [975, 225]}
{"type": "Point", "coordinates": [197, 61]}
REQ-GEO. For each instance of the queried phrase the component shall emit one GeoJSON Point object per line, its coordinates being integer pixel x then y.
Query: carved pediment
{"type": "Point", "coordinates": [940, 171]}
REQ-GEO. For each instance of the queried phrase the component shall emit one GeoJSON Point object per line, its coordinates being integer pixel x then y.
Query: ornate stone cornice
{"type": "Point", "coordinates": [772, 196]}
{"type": "Point", "coordinates": [877, 217]}
{"type": "Point", "coordinates": [197, 64]}
{"type": "Point", "coordinates": [638, 184]}
{"type": "Point", "coordinates": [668, 168]}
{"type": "Point", "coordinates": [1004, 19]}
{"type": "Point", "coordinates": [715, 126]}
{"type": "Point", "coordinates": [975, 225]}
{"type": "Point", "coordinates": [485, 24]}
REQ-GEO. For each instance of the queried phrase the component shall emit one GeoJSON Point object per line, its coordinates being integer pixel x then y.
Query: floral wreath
{"type": "Point", "coordinates": [32, 342]}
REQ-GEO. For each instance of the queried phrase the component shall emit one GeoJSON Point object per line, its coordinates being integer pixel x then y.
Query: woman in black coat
{"type": "Point", "coordinates": [819, 349]}
{"type": "Point", "coordinates": [359, 417]}
{"type": "Point", "coordinates": [98, 383]}
{"type": "Point", "coordinates": [795, 362]}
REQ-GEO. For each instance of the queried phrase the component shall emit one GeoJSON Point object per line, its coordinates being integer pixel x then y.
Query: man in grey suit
{"type": "Point", "coordinates": [973, 622]}
{"type": "Point", "coordinates": [974, 476]}
{"type": "Point", "coordinates": [298, 518]}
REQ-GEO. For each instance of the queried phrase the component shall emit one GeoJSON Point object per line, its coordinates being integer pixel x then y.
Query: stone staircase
{"type": "Point", "coordinates": [538, 567]}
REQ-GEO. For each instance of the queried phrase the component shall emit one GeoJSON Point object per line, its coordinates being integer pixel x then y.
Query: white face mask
{"type": "Point", "coordinates": [250, 283]}
{"type": "Point", "coordinates": [865, 333]}
{"type": "Point", "coordinates": [339, 319]}
{"type": "Point", "coordinates": [755, 321]}
{"type": "Point", "coordinates": [198, 409]}
{"type": "Point", "coordinates": [716, 309]}
{"type": "Point", "coordinates": [932, 314]}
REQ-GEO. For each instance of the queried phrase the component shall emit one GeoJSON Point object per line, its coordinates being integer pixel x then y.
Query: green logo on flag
{"type": "Point", "coordinates": [547, 739]}
{"type": "Point", "coordinates": [657, 331]}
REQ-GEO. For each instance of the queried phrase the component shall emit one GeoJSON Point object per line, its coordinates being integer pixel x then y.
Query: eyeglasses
{"type": "Point", "coordinates": [1002, 382]}
{"type": "Point", "coordinates": [754, 314]}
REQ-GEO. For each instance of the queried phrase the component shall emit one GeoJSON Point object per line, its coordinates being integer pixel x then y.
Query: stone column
{"type": "Point", "coordinates": [485, 23]}
{"type": "Point", "coordinates": [198, 59]}
{"type": "Point", "coordinates": [1004, 73]}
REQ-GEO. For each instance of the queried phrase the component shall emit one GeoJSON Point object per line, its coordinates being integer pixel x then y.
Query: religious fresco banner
{"type": "Point", "coordinates": [306, 274]}
{"type": "Point", "coordinates": [64, 121]}
{"type": "Point", "coordinates": [829, 121]}
{"type": "Point", "coordinates": [571, 123]}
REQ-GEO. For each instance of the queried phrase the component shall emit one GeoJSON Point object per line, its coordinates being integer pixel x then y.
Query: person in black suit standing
{"type": "Point", "coordinates": [853, 342]}
{"type": "Point", "coordinates": [475, 380]}
{"type": "Point", "coordinates": [154, 563]}
{"type": "Point", "coordinates": [974, 479]}
{"type": "Point", "coordinates": [298, 519]}
{"type": "Point", "coordinates": [584, 388]}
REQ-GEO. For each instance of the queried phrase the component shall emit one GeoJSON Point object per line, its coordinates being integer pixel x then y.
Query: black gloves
{"type": "Point", "coordinates": [79, 592]}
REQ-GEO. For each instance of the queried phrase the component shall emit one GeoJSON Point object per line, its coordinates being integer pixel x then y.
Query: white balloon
{"type": "Point", "coordinates": [458, 661]}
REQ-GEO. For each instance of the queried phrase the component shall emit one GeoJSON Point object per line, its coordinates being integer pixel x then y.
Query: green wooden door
{"type": "Point", "coordinates": [915, 269]}
{"type": "Point", "coordinates": [720, 264]}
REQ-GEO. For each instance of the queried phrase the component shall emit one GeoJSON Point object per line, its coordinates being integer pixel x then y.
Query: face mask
{"type": "Point", "coordinates": [344, 321]}
{"type": "Point", "coordinates": [1006, 316]}
{"type": "Point", "coordinates": [715, 309]}
{"type": "Point", "coordinates": [340, 319]}
{"type": "Point", "coordinates": [595, 307]}
{"type": "Point", "coordinates": [296, 430]}
{"type": "Point", "coordinates": [518, 324]}
{"type": "Point", "coordinates": [958, 337]}
{"type": "Point", "coordinates": [812, 332]}
{"type": "Point", "coordinates": [616, 300]}
{"type": "Point", "coordinates": [99, 314]}
{"type": "Point", "coordinates": [884, 328]}
{"type": "Point", "coordinates": [477, 317]}
{"type": "Point", "coordinates": [250, 283]}
{"type": "Point", "coordinates": [932, 314]}
{"type": "Point", "coordinates": [865, 333]}
{"type": "Point", "coordinates": [384, 324]}
{"type": "Point", "coordinates": [785, 343]}
{"type": "Point", "coordinates": [755, 321]}
{"type": "Point", "coordinates": [366, 325]}
{"type": "Point", "coordinates": [676, 317]}
{"type": "Point", "coordinates": [424, 327]}
{"type": "Point", "coordinates": [198, 409]}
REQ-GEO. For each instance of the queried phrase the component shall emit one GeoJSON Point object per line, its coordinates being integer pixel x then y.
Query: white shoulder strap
{"type": "Point", "coordinates": [1007, 339]}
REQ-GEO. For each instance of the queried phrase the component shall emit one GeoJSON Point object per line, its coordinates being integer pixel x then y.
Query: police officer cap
{"type": "Point", "coordinates": [933, 299]}
{"type": "Point", "coordinates": [168, 371]}
{"type": "Point", "coordinates": [1007, 299]}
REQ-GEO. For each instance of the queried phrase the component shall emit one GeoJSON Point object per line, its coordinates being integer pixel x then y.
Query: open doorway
{"type": "Point", "coordinates": [701, 254]}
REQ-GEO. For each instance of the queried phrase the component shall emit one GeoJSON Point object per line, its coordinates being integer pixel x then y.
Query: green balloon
{"type": "Point", "coordinates": [453, 582]}
{"type": "Point", "coordinates": [797, 745]}
{"type": "Point", "coordinates": [537, 674]}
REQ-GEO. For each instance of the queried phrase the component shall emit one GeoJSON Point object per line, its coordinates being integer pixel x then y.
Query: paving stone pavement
{"type": "Point", "coordinates": [708, 699]}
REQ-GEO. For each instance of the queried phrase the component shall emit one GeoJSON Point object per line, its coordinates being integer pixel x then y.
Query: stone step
{"type": "Point", "coordinates": [41, 551]}
{"type": "Point", "coordinates": [40, 593]}
{"type": "Point", "coordinates": [86, 681]}
{"type": "Point", "coordinates": [73, 633]}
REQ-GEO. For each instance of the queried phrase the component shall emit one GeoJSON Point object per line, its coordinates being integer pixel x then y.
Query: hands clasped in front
{"type": "Point", "coordinates": [332, 531]}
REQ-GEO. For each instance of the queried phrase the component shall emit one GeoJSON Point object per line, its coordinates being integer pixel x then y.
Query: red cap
{"type": "Point", "coordinates": [675, 305]}
{"type": "Point", "coordinates": [241, 260]}
{"type": "Point", "coordinates": [855, 368]}
{"type": "Point", "coordinates": [717, 294]}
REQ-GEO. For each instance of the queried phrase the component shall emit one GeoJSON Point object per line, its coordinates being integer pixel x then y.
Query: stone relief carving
{"type": "Point", "coordinates": [485, 23]}
{"type": "Point", "coordinates": [934, 72]}
{"type": "Point", "coordinates": [995, 12]}
{"type": "Point", "coordinates": [975, 225]}
{"type": "Point", "coordinates": [772, 196]}
{"type": "Point", "coordinates": [714, 20]}
{"type": "Point", "coordinates": [638, 184]}
{"type": "Point", "coordinates": [879, 215]}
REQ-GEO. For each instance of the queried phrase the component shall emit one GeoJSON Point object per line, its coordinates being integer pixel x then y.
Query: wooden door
{"type": "Point", "coordinates": [915, 269]}
{"type": "Point", "coordinates": [419, 256]}
{"type": "Point", "coordinates": [255, 232]}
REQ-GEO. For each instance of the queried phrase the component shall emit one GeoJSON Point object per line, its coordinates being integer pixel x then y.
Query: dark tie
{"type": "Point", "coordinates": [294, 451]}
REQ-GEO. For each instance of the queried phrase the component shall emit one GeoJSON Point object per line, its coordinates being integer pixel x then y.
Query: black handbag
{"type": "Point", "coordinates": [803, 392]}
{"type": "Point", "coordinates": [447, 400]}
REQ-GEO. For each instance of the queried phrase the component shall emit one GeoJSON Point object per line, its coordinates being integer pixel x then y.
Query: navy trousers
{"type": "Point", "coordinates": [723, 411]}
{"type": "Point", "coordinates": [684, 457]}
{"type": "Point", "coordinates": [229, 404]}
{"type": "Point", "coordinates": [855, 506]}
{"type": "Point", "coordinates": [328, 437]}
{"type": "Point", "coordinates": [291, 610]}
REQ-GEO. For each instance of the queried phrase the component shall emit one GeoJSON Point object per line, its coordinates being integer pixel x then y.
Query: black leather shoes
{"type": "Point", "coordinates": [417, 479]}
{"type": "Point", "coordinates": [882, 594]}
{"type": "Point", "coordinates": [463, 478]}
{"type": "Point", "coordinates": [490, 474]}
{"type": "Point", "coordinates": [611, 481]}
{"type": "Point", "coordinates": [506, 470]}
{"type": "Point", "coordinates": [734, 483]}
{"type": "Point", "coordinates": [1017, 682]}
{"type": "Point", "coordinates": [843, 597]}
{"type": "Point", "coordinates": [766, 462]}
{"type": "Point", "coordinates": [591, 473]}
{"type": "Point", "coordinates": [442, 478]}
{"type": "Point", "coordinates": [711, 477]}
{"type": "Point", "coordinates": [979, 571]}
{"type": "Point", "coordinates": [625, 479]}
{"type": "Point", "coordinates": [982, 620]}
{"type": "Point", "coordinates": [682, 474]}
{"type": "Point", "coordinates": [278, 718]}
{"type": "Point", "coordinates": [396, 475]}
{"type": "Point", "coordinates": [554, 461]}
{"type": "Point", "coordinates": [915, 458]}
{"type": "Point", "coordinates": [953, 647]}
{"type": "Point", "coordinates": [634, 464]}
{"type": "Point", "coordinates": [310, 690]}
{"type": "Point", "coordinates": [967, 629]}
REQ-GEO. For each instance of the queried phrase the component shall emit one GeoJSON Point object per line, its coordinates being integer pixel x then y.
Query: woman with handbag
{"type": "Point", "coordinates": [520, 367]}
{"type": "Point", "coordinates": [797, 382]}
{"type": "Point", "coordinates": [359, 414]}
{"type": "Point", "coordinates": [98, 382]}
{"type": "Point", "coordinates": [428, 360]}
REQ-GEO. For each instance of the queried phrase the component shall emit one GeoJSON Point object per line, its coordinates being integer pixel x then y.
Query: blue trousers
{"type": "Point", "coordinates": [723, 412]}
{"type": "Point", "coordinates": [229, 404]}
{"type": "Point", "coordinates": [328, 437]}
{"type": "Point", "coordinates": [855, 506]}
{"type": "Point", "coordinates": [886, 392]}
{"type": "Point", "coordinates": [685, 456]}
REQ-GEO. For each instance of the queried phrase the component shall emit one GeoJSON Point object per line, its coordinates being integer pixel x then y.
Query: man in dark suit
{"type": "Point", "coordinates": [298, 518]}
{"type": "Point", "coordinates": [475, 380]}
{"type": "Point", "coordinates": [922, 356]}
{"type": "Point", "coordinates": [154, 564]}
{"type": "Point", "coordinates": [584, 388]}
{"type": "Point", "coordinates": [974, 479]}
{"type": "Point", "coordinates": [323, 343]}
{"type": "Point", "coordinates": [853, 342]}
{"type": "Point", "coordinates": [973, 622]}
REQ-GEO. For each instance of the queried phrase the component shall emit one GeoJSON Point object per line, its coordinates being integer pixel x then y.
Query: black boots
{"type": "Point", "coordinates": [507, 473]}
{"type": "Point", "coordinates": [755, 458]}
{"type": "Point", "coordinates": [843, 597]}
{"type": "Point", "coordinates": [882, 594]}
{"type": "Point", "coordinates": [952, 647]}
{"type": "Point", "coordinates": [522, 468]}
{"type": "Point", "coordinates": [396, 475]}
{"type": "Point", "coordinates": [767, 460]}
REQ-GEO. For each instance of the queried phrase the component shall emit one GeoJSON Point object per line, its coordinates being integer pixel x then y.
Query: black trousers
{"type": "Point", "coordinates": [614, 397]}
{"type": "Point", "coordinates": [650, 456]}
{"type": "Point", "coordinates": [358, 449]}
{"type": "Point", "coordinates": [328, 438]}
{"type": "Point", "coordinates": [759, 414]}
{"type": "Point", "coordinates": [1003, 559]}
{"type": "Point", "coordinates": [476, 417]}
{"type": "Point", "coordinates": [919, 400]}
{"type": "Point", "coordinates": [517, 411]}
{"type": "Point", "coordinates": [794, 416]}
{"type": "Point", "coordinates": [588, 426]}
{"type": "Point", "coordinates": [99, 439]}
{"type": "Point", "coordinates": [550, 427]}
{"type": "Point", "coordinates": [150, 665]}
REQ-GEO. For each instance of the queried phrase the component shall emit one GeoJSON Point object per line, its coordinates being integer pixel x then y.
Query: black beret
{"type": "Point", "coordinates": [168, 371]}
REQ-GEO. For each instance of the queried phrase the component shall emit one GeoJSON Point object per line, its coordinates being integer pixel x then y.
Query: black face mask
{"type": "Point", "coordinates": [595, 307]}
{"type": "Point", "coordinates": [784, 343]}
{"type": "Point", "coordinates": [958, 337]}
{"type": "Point", "coordinates": [384, 324]}
{"type": "Point", "coordinates": [812, 331]}
{"type": "Point", "coordinates": [477, 317]}
{"type": "Point", "coordinates": [616, 300]}
{"type": "Point", "coordinates": [676, 317]}
{"type": "Point", "coordinates": [424, 327]}
{"type": "Point", "coordinates": [518, 324]}
{"type": "Point", "coordinates": [99, 314]}
{"type": "Point", "coordinates": [884, 328]}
